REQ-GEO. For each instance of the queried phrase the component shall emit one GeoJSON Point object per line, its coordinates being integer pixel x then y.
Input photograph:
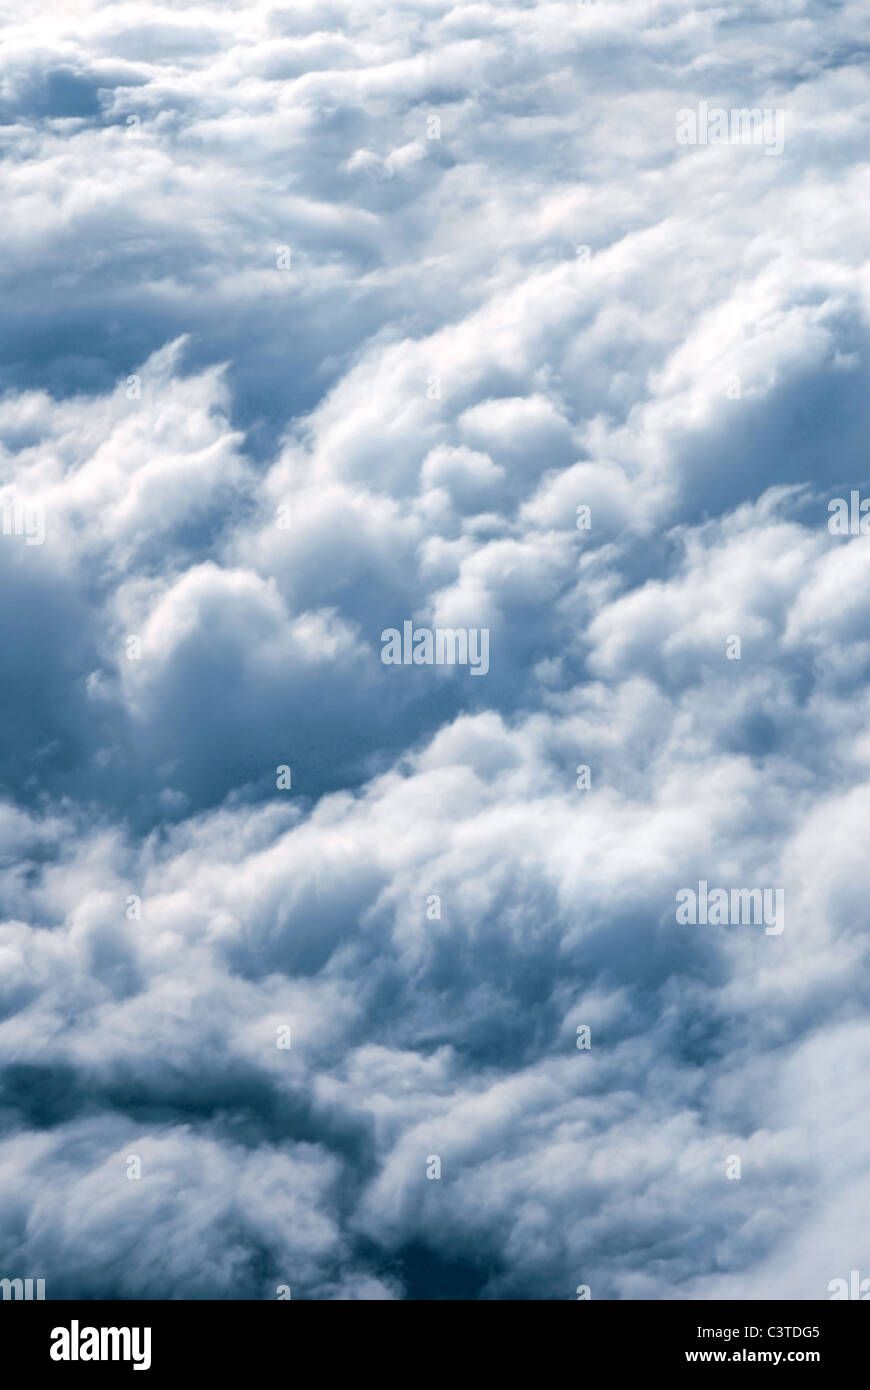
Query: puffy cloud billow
{"type": "Point", "coordinates": [368, 979]}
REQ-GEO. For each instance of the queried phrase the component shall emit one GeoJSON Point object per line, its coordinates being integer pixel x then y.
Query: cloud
{"type": "Point", "coordinates": [325, 320]}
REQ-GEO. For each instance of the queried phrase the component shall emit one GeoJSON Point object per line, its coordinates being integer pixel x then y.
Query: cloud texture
{"type": "Point", "coordinates": [323, 318]}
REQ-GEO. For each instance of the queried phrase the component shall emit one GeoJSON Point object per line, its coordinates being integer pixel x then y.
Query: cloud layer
{"type": "Point", "coordinates": [328, 318]}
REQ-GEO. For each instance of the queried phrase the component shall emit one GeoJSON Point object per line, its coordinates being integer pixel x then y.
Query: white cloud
{"type": "Point", "coordinates": [254, 470]}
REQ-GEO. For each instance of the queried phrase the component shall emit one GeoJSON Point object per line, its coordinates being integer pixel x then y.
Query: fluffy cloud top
{"type": "Point", "coordinates": [322, 320]}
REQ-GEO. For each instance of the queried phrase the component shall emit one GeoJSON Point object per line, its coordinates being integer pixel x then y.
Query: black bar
{"type": "Point", "coordinates": [235, 1338]}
